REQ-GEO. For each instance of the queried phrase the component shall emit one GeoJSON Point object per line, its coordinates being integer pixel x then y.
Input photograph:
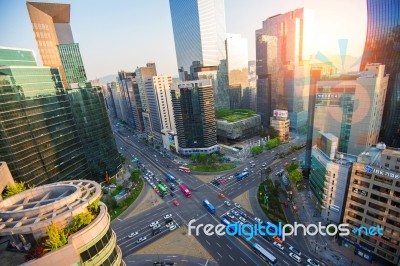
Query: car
{"type": "Point", "coordinates": [257, 219]}
{"type": "Point", "coordinates": [294, 159]}
{"type": "Point", "coordinates": [169, 220]}
{"type": "Point", "coordinates": [156, 190]}
{"type": "Point", "coordinates": [264, 164]}
{"type": "Point", "coordinates": [223, 180]}
{"type": "Point", "coordinates": [312, 263]}
{"type": "Point", "coordinates": [240, 222]}
{"type": "Point", "coordinates": [172, 227]}
{"type": "Point", "coordinates": [230, 215]}
{"type": "Point", "coordinates": [237, 205]}
{"type": "Point", "coordinates": [246, 169]}
{"type": "Point", "coordinates": [155, 231]}
{"type": "Point", "coordinates": [253, 165]}
{"type": "Point", "coordinates": [176, 203]}
{"type": "Point", "coordinates": [227, 203]}
{"type": "Point", "coordinates": [221, 195]}
{"type": "Point", "coordinates": [235, 213]}
{"type": "Point", "coordinates": [276, 244]}
{"type": "Point", "coordinates": [133, 234]}
{"type": "Point", "coordinates": [167, 216]}
{"type": "Point", "coordinates": [251, 162]}
{"type": "Point", "coordinates": [277, 239]}
{"type": "Point", "coordinates": [140, 240]}
{"type": "Point", "coordinates": [244, 214]}
{"type": "Point", "coordinates": [168, 225]}
{"type": "Point", "coordinates": [242, 219]}
{"type": "Point", "coordinates": [295, 257]}
{"type": "Point", "coordinates": [286, 164]}
{"type": "Point", "coordinates": [172, 194]}
{"type": "Point", "coordinates": [113, 186]}
{"type": "Point", "coordinates": [153, 224]}
{"type": "Point", "coordinates": [230, 177]}
{"type": "Point", "coordinates": [172, 188]}
{"type": "Point", "coordinates": [292, 249]}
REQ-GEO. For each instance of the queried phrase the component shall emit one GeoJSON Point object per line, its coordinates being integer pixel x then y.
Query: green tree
{"type": "Point", "coordinates": [56, 237]}
{"type": "Point", "coordinates": [94, 206]}
{"type": "Point", "coordinates": [194, 158]}
{"type": "Point", "coordinates": [213, 158]}
{"type": "Point", "coordinates": [268, 170]}
{"type": "Point", "coordinates": [292, 167]}
{"type": "Point", "coordinates": [202, 158]}
{"type": "Point", "coordinates": [135, 175]}
{"type": "Point", "coordinates": [295, 176]}
{"type": "Point", "coordinates": [15, 189]}
{"type": "Point", "coordinates": [256, 150]}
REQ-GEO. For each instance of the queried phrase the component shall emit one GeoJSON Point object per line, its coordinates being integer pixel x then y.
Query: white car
{"type": "Point", "coordinates": [133, 234]}
{"type": "Point", "coordinates": [292, 249]}
{"type": "Point", "coordinates": [257, 219]}
{"type": "Point", "coordinates": [230, 177]}
{"type": "Point", "coordinates": [241, 223]}
{"type": "Point", "coordinates": [276, 244]}
{"type": "Point", "coordinates": [242, 219]}
{"type": "Point", "coordinates": [157, 225]}
{"type": "Point", "coordinates": [264, 164]}
{"type": "Point", "coordinates": [230, 215]}
{"type": "Point", "coordinates": [113, 186]}
{"type": "Point", "coordinates": [312, 263]}
{"type": "Point", "coordinates": [227, 203]}
{"type": "Point", "coordinates": [168, 225]}
{"type": "Point", "coordinates": [153, 224]}
{"type": "Point", "coordinates": [295, 257]}
{"type": "Point", "coordinates": [235, 213]}
{"type": "Point", "coordinates": [140, 240]}
{"type": "Point", "coordinates": [237, 205]}
{"type": "Point", "coordinates": [167, 216]}
{"type": "Point", "coordinates": [172, 228]}
{"type": "Point", "coordinates": [246, 169]}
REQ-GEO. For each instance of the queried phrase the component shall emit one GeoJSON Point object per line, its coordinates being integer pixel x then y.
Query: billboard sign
{"type": "Point", "coordinates": [281, 113]}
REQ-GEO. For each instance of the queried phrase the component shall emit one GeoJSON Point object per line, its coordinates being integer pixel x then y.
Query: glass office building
{"type": "Point", "coordinates": [38, 137]}
{"type": "Point", "coordinates": [382, 45]}
{"type": "Point", "coordinates": [94, 129]}
{"type": "Point", "coordinates": [199, 31]}
{"type": "Point", "coordinates": [72, 62]}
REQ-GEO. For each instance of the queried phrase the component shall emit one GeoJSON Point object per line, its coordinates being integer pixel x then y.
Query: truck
{"type": "Point", "coordinates": [242, 175]}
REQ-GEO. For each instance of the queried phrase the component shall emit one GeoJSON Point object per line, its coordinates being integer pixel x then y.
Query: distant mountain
{"type": "Point", "coordinates": [107, 79]}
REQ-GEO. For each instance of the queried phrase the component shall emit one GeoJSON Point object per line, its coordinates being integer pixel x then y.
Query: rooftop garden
{"type": "Point", "coordinates": [233, 115]}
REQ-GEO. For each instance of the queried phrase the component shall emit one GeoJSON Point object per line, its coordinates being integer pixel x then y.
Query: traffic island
{"type": "Point", "coordinates": [268, 198]}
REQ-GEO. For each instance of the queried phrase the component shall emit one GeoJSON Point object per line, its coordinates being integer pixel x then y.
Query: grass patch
{"type": "Point", "coordinates": [211, 168]}
{"type": "Point", "coordinates": [123, 205]}
{"type": "Point", "coordinates": [232, 115]}
{"type": "Point", "coordinates": [300, 187]}
{"type": "Point", "coordinates": [274, 210]}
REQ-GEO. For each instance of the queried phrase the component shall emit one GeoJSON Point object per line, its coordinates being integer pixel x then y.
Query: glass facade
{"type": "Point", "coordinates": [39, 139]}
{"type": "Point", "coordinates": [89, 112]}
{"type": "Point", "coordinates": [199, 31]}
{"type": "Point", "coordinates": [193, 106]}
{"type": "Point", "coordinates": [72, 62]}
{"type": "Point", "coordinates": [382, 45]}
{"type": "Point", "coordinates": [16, 57]}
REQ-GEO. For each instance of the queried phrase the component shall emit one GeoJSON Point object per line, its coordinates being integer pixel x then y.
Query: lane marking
{"type": "Point", "coordinates": [219, 254]}
{"type": "Point", "coordinates": [231, 257]}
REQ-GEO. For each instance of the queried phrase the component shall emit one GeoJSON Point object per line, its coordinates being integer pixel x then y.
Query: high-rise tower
{"type": "Point", "coordinates": [51, 25]}
{"type": "Point", "coordinates": [199, 31]}
{"type": "Point", "coordinates": [382, 46]}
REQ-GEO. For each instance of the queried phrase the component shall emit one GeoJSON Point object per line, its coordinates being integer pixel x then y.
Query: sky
{"type": "Point", "coordinates": [123, 34]}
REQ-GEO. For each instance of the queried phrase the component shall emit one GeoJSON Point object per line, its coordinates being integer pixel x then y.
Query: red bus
{"type": "Point", "coordinates": [184, 169]}
{"type": "Point", "coordinates": [185, 190]}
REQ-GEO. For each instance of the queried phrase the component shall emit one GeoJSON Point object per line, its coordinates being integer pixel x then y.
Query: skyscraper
{"type": "Point", "coordinates": [350, 107]}
{"type": "Point", "coordinates": [38, 136]}
{"type": "Point", "coordinates": [237, 62]}
{"type": "Point", "coordinates": [382, 46]}
{"type": "Point", "coordinates": [199, 31]}
{"type": "Point", "coordinates": [193, 105]}
{"type": "Point", "coordinates": [294, 46]}
{"type": "Point", "coordinates": [51, 25]}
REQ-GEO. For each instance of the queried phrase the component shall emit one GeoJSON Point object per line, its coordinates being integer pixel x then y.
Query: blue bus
{"type": "Point", "coordinates": [209, 206]}
{"type": "Point", "coordinates": [226, 222]}
{"type": "Point", "coordinates": [171, 178]}
{"type": "Point", "coordinates": [242, 175]}
{"type": "Point", "coordinates": [265, 255]}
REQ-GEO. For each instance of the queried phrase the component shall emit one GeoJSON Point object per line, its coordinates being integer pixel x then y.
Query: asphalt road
{"type": "Point", "coordinates": [226, 250]}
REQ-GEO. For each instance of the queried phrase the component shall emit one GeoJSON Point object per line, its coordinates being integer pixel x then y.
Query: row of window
{"type": "Point", "coordinates": [97, 247]}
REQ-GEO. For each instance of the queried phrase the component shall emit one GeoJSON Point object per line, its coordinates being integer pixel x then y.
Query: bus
{"type": "Point", "coordinates": [242, 175]}
{"type": "Point", "coordinates": [209, 206]}
{"type": "Point", "coordinates": [185, 191]}
{"type": "Point", "coordinates": [265, 255]}
{"type": "Point", "coordinates": [162, 189]}
{"type": "Point", "coordinates": [184, 169]}
{"type": "Point", "coordinates": [171, 178]}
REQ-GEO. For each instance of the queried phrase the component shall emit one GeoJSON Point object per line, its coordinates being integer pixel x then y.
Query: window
{"type": "Point", "coordinates": [388, 157]}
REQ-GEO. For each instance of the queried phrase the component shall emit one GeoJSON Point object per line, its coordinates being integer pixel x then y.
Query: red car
{"type": "Point", "coordinates": [223, 181]}
{"type": "Point", "coordinates": [176, 203]}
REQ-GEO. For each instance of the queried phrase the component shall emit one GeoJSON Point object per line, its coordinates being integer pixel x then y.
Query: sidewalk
{"type": "Point", "coordinates": [324, 247]}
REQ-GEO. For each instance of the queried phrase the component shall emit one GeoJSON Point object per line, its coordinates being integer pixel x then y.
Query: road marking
{"type": "Point", "coordinates": [208, 242]}
{"type": "Point", "coordinates": [285, 262]}
{"type": "Point", "coordinates": [218, 244]}
{"type": "Point", "coordinates": [184, 260]}
{"type": "Point", "coordinates": [228, 246]}
{"type": "Point", "coordinates": [219, 254]}
{"type": "Point", "coordinates": [119, 219]}
{"type": "Point", "coordinates": [243, 260]}
{"type": "Point", "coordinates": [231, 257]}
